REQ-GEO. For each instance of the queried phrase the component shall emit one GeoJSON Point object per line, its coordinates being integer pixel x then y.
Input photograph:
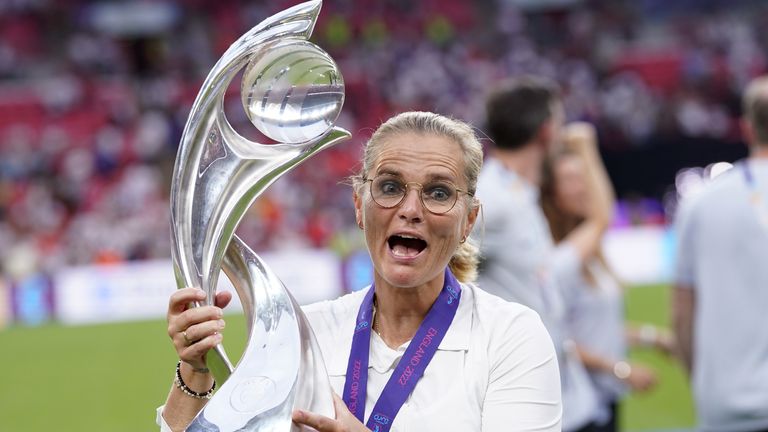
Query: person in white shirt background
{"type": "Point", "coordinates": [525, 119]}
{"type": "Point", "coordinates": [578, 200]}
{"type": "Point", "coordinates": [721, 293]}
{"type": "Point", "coordinates": [495, 368]}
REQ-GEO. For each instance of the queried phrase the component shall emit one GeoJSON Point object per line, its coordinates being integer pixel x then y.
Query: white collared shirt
{"type": "Point", "coordinates": [495, 370]}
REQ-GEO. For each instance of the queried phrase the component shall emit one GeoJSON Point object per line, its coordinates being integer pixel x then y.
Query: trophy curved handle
{"type": "Point", "coordinates": [281, 367]}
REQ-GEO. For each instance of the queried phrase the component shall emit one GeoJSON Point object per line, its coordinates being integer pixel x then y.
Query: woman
{"type": "Point", "coordinates": [578, 202]}
{"type": "Point", "coordinates": [493, 366]}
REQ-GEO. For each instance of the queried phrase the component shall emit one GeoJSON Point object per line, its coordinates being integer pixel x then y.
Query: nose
{"type": "Point", "coordinates": [411, 208]}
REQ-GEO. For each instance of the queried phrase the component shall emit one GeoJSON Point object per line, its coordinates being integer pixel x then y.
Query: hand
{"type": "Point", "coordinates": [580, 136]}
{"type": "Point", "coordinates": [345, 421]}
{"type": "Point", "coordinates": [195, 330]}
{"type": "Point", "coordinates": [641, 378]}
{"type": "Point", "coordinates": [666, 343]}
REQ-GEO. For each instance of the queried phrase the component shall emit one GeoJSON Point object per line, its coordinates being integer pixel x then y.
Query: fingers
{"type": "Point", "coordinates": [339, 404]}
{"type": "Point", "coordinates": [345, 420]}
{"type": "Point", "coordinates": [316, 421]}
{"type": "Point", "coordinates": [193, 354]}
{"type": "Point", "coordinates": [580, 136]}
{"type": "Point", "coordinates": [651, 382]}
{"type": "Point", "coordinates": [644, 379]}
{"type": "Point", "coordinates": [181, 298]}
{"type": "Point", "coordinates": [645, 386]}
{"type": "Point", "coordinates": [180, 316]}
{"type": "Point", "coordinates": [194, 331]}
{"type": "Point", "coordinates": [183, 321]}
{"type": "Point", "coordinates": [198, 315]}
{"type": "Point", "coordinates": [342, 411]}
{"type": "Point", "coordinates": [580, 131]}
{"type": "Point", "coordinates": [193, 343]}
{"type": "Point", "coordinates": [223, 298]}
{"type": "Point", "coordinates": [202, 330]}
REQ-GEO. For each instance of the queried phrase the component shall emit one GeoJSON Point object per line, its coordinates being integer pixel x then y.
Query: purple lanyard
{"type": "Point", "coordinates": [411, 367]}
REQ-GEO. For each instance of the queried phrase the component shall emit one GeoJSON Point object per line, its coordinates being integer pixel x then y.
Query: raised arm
{"type": "Point", "coordinates": [193, 332]}
{"type": "Point", "coordinates": [581, 138]}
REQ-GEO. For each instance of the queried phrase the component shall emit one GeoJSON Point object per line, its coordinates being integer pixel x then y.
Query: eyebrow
{"type": "Point", "coordinates": [388, 171]}
{"type": "Point", "coordinates": [430, 177]}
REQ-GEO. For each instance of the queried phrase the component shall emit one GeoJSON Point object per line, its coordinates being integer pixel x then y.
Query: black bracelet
{"type": "Point", "coordinates": [188, 391]}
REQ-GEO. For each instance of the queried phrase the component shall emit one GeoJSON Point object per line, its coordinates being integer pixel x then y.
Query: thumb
{"type": "Point", "coordinates": [223, 298]}
{"type": "Point", "coordinates": [340, 407]}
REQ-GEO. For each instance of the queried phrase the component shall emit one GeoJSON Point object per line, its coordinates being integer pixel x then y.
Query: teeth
{"type": "Point", "coordinates": [408, 236]}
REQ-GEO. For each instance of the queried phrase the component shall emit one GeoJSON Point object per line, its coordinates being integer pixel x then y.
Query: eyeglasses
{"type": "Point", "coordinates": [438, 197]}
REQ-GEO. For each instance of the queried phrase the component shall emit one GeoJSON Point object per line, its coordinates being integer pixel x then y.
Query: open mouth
{"type": "Point", "coordinates": [406, 246]}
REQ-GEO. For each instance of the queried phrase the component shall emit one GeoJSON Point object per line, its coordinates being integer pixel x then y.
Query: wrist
{"type": "Point", "coordinates": [195, 384]}
{"type": "Point", "coordinates": [189, 367]}
{"type": "Point", "coordinates": [622, 370]}
{"type": "Point", "coordinates": [198, 379]}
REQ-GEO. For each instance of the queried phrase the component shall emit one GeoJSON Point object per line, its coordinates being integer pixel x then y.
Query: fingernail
{"type": "Point", "coordinates": [221, 324]}
{"type": "Point", "coordinates": [219, 313]}
{"type": "Point", "coordinates": [218, 337]}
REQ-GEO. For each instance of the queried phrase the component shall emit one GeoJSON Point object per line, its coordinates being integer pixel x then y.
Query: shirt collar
{"type": "Point", "coordinates": [456, 339]}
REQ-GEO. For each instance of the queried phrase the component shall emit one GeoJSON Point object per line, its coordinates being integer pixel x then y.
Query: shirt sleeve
{"type": "Point", "coordinates": [686, 247]}
{"type": "Point", "coordinates": [524, 381]}
{"type": "Point", "coordinates": [161, 421]}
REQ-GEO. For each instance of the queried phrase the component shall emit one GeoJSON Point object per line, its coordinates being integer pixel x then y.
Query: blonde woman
{"type": "Point", "coordinates": [578, 201]}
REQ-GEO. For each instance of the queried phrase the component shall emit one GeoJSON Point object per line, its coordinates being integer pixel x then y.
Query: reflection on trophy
{"type": "Point", "coordinates": [292, 92]}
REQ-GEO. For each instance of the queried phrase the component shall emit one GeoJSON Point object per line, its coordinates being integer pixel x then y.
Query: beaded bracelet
{"type": "Point", "coordinates": [188, 391]}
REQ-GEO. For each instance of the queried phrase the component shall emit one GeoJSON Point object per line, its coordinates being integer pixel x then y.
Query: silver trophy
{"type": "Point", "coordinates": [292, 92]}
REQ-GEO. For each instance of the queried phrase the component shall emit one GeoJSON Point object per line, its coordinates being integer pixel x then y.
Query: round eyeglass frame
{"type": "Point", "coordinates": [421, 195]}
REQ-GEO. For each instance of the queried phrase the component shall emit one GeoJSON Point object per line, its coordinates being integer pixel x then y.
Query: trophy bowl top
{"type": "Point", "coordinates": [292, 91]}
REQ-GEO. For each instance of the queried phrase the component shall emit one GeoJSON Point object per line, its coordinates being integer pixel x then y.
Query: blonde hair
{"type": "Point", "coordinates": [755, 106]}
{"type": "Point", "coordinates": [464, 261]}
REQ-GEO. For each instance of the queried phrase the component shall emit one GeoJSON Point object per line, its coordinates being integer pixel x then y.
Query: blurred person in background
{"type": "Point", "coordinates": [578, 202]}
{"type": "Point", "coordinates": [525, 120]}
{"type": "Point", "coordinates": [721, 293]}
{"type": "Point", "coordinates": [491, 364]}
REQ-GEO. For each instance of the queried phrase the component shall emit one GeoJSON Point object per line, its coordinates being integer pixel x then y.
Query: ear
{"type": "Point", "coordinates": [471, 217]}
{"type": "Point", "coordinates": [358, 207]}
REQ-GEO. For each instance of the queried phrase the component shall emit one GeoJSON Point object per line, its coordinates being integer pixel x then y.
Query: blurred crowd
{"type": "Point", "coordinates": [94, 96]}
